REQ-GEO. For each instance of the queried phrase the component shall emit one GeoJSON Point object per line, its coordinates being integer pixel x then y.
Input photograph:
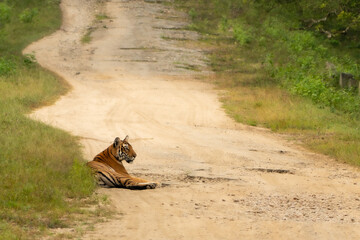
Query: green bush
{"type": "Point", "coordinates": [241, 35]}
{"type": "Point", "coordinates": [301, 41]}
{"type": "Point", "coordinates": [29, 59]}
{"type": "Point", "coordinates": [28, 15]}
{"type": "Point", "coordinates": [4, 13]}
{"type": "Point", "coordinates": [274, 28]}
{"type": "Point", "coordinates": [192, 13]}
{"type": "Point", "coordinates": [7, 67]}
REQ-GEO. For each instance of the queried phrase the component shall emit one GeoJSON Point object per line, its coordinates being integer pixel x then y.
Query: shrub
{"type": "Point", "coordinates": [29, 59]}
{"type": "Point", "coordinates": [7, 67]}
{"type": "Point", "coordinates": [240, 34]}
{"type": "Point", "coordinates": [28, 15]}
{"type": "Point", "coordinates": [4, 13]}
{"type": "Point", "coordinates": [192, 13]}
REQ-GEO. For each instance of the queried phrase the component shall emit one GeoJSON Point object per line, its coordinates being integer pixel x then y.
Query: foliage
{"type": "Point", "coordinates": [7, 67]}
{"type": "Point", "coordinates": [26, 22]}
{"type": "Point", "coordinates": [315, 89]}
{"type": "Point", "coordinates": [29, 59]}
{"type": "Point", "coordinates": [4, 13]}
{"type": "Point", "coordinates": [241, 35]}
{"type": "Point", "coordinates": [292, 55]}
{"type": "Point", "coordinates": [28, 15]}
{"type": "Point", "coordinates": [333, 18]}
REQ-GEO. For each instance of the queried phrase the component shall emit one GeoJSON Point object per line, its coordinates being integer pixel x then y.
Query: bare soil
{"type": "Point", "coordinates": [220, 180]}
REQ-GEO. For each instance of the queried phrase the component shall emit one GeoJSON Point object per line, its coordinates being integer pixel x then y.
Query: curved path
{"type": "Point", "coordinates": [221, 180]}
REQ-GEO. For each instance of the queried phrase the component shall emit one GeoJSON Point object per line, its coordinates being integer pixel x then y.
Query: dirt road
{"type": "Point", "coordinates": [221, 180]}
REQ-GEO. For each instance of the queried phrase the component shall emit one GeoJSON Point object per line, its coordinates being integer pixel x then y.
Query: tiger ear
{"type": "Point", "coordinates": [126, 139]}
{"type": "Point", "coordinates": [116, 142]}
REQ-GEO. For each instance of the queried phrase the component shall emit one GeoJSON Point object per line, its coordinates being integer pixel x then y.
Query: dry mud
{"type": "Point", "coordinates": [220, 180]}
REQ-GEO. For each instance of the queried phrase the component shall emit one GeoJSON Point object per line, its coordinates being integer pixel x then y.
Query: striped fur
{"type": "Point", "coordinates": [109, 170]}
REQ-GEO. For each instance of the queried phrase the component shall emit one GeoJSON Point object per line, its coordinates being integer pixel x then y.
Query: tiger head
{"type": "Point", "coordinates": [122, 150]}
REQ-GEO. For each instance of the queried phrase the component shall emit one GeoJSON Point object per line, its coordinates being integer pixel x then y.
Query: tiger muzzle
{"type": "Point", "coordinates": [130, 160]}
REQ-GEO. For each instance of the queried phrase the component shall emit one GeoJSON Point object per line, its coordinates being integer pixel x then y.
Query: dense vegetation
{"type": "Point", "coordinates": [280, 61]}
{"type": "Point", "coordinates": [43, 175]}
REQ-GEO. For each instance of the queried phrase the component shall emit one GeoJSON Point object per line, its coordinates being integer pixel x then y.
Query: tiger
{"type": "Point", "coordinates": [109, 170]}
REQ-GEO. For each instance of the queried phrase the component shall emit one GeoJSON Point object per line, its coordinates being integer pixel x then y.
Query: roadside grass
{"type": "Point", "coordinates": [18, 34]}
{"type": "Point", "coordinates": [260, 79]}
{"type": "Point", "coordinates": [299, 119]}
{"type": "Point", "coordinates": [319, 129]}
{"type": "Point", "coordinates": [45, 183]}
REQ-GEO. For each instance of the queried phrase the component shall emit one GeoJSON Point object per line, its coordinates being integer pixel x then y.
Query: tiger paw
{"type": "Point", "coordinates": [148, 185]}
{"type": "Point", "coordinates": [152, 185]}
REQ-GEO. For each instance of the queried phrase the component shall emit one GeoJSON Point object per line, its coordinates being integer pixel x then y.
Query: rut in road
{"type": "Point", "coordinates": [221, 180]}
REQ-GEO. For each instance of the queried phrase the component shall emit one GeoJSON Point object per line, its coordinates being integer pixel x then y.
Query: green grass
{"type": "Point", "coordinates": [18, 34]}
{"type": "Point", "coordinates": [271, 75]}
{"type": "Point", "coordinates": [100, 17]}
{"type": "Point", "coordinates": [44, 180]}
{"type": "Point", "coordinates": [86, 38]}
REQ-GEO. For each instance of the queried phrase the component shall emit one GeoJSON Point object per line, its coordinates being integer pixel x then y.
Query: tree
{"type": "Point", "coordinates": [335, 18]}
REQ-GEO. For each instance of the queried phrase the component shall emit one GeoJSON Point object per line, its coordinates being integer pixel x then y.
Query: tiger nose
{"type": "Point", "coordinates": [135, 155]}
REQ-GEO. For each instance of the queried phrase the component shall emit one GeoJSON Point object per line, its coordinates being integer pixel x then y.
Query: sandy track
{"type": "Point", "coordinates": [221, 180]}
